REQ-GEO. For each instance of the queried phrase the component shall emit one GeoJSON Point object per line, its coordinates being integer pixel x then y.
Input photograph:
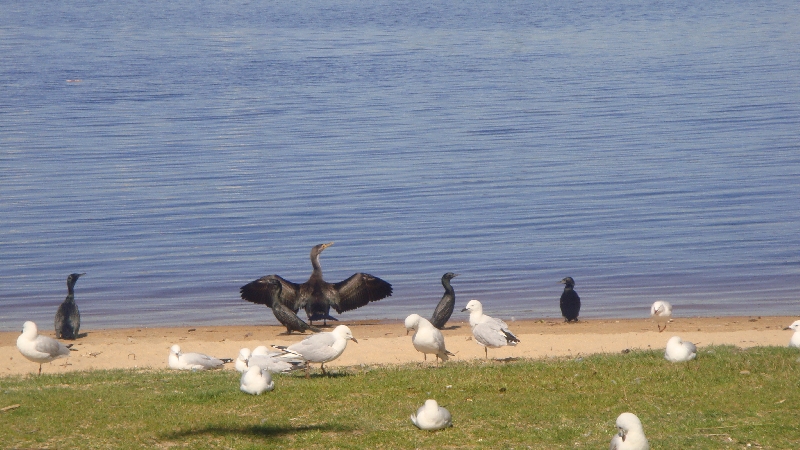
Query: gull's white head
{"type": "Point", "coordinates": [175, 349]}
{"type": "Point", "coordinates": [794, 326]}
{"type": "Point", "coordinates": [30, 330]}
{"type": "Point", "coordinates": [473, 306]}
{"type": "Point", "coordinates": [627, 423]}
{"type": "Point", "coordinates": [412, 322]}
{"type": "Point", "coordinates": [244, 354]}
{"type": "Point", "coordinates": [344, 332]}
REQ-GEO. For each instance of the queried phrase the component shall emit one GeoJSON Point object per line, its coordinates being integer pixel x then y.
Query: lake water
{"type": "Point", "coordinates": [177, 150]}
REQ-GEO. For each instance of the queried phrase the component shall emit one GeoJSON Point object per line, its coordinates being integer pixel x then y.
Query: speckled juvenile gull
{"type": "Point", "coordinates": [193, 361]}
{"type": "Point", "coordinates": [426, 338]}
{"type": "Point", "coordinates": [431, 416]}
{"type": "Point", "coordinates": [39, 349]}
{"type": "Point", "coordinates": [631, 434]}
{"type": "Point", "coordinates": [488, 331]}
{"type": "Point", "coordinates": [322, 347]}
{"type": "Point", "coordinates": [256, 381]}
{"type": "Point", "coordinates": [661, 313]}
{"type": "Point", "coordinates": [679, 350]}
{"type": "Point", "coordinates": [795, 340]}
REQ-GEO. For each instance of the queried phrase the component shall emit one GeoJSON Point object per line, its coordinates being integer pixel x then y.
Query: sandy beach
{"type": "Point", "coordinates": [386, 342]}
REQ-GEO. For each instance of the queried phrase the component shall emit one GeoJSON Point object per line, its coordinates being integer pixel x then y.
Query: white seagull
{"type": "Point", "coordinates": [322, 347]}
{"type": "Point", "coordinates": [39, 349]}
{"type": "Point", "coordinates": [193, 361]}
{"type": "Point", "coordinates": [275, 362]}
{"type": "Point", "coordinates": [661, 313]}
{"type": "Point", "coordinates": [256, 381]}
{"type": "Point", "coordinates": [795, 341]}
{"type": "Point", "coordinates": [631, 434]}
{"type": "Point", "coordinates": [488, 331]}
{"type": "Point", "coordinates": [679, 350]}
{"type": "Point", "coordinates": [426, 338]}
{"type": "Point", "coordinates": [431, 416]}
{"type": "Point", "coordinates": [241, 361]}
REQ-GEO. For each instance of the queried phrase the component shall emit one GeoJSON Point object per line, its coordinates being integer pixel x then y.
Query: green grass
{"type": "Point", "coordinates": [728, 398]}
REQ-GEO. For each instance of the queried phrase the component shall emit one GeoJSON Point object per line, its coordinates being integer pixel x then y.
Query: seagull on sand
{"type": "Point", "coordinates": [661, 313]}
{"type": "Point", "coordinates": [795, 341]}
{"type": "Point", "coordinates": [39, 349]}
{"type": "Point", "coordinates": [488, 331]}
{"type": "Point", "coordinates": [631, 434]}
{"type": "Point", "coordinates": [256, 381]}
{"type": "Point", "coordinates": [426, 338]}
{"type": "Point", "coordinates": [322, 347]}
{"type": "Point", "coordinates": [193, 361]}
{"type": "Point", "coordinates": [679, 350]}
{"type": "Point", "coordinates": [431, 416]}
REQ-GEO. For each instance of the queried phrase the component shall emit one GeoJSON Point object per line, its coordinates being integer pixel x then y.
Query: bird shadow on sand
{"type": "Point", "coordinates": [452, 327]}
{"type": "Point", "coordinates": [256, 431]}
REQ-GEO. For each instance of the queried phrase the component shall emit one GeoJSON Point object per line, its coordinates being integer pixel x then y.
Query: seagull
{"type": "Point", "coordinates": [275, 362]}
{"type": "Point", "coordinates": [488, 331]}
{"type": "Point", "coordinates": [661, 312]}
{"type": "Point", "coordinates": [631, 435]}
{"type": "Point", "coordinates": [679, 350]}
{"type": "Point", "coordinates": [322, 347]}
{"type": "Point", "coordinates": [39, 349]}
{"type": "Point", "coordinates": [570, 301]}
{"type": "Point", "coordinates": [240, 364]}
{"type": "Point", "coordinates": [68, 317]}
{"type": "Point", "coordinates": [431, 416]}
{"type": "Point", "coordinates": [256, 381]}
{"type": "Point", "coordinates": [426, 338]}
{"type": "Point", "coordinates": [445, 307]}
{"type": "Point", "coordinates": [795, 341]}
{"type": "Point", "coordinates": [193, 361]}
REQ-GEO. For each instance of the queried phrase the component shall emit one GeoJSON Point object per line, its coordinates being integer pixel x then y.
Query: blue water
{"type": "Point", "coordinates": [176, 150]}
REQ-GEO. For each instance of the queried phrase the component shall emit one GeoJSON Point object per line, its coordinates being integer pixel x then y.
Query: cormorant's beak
{"type": "Point", "coordinates": [562, 282]}
{"type": "Point", "coordinates": [324, 246]}
{"type": "Point", "coordinates": [456, 274]}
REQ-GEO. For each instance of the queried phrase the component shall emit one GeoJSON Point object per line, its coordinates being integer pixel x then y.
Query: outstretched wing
{"type": "Point", "coordinates": [358, 290]}
{"type": "Point", "coordinates": [258, 292]}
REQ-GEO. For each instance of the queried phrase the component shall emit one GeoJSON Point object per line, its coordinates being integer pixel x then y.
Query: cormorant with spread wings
{"type": "Point", "coordinates": [316, 295]}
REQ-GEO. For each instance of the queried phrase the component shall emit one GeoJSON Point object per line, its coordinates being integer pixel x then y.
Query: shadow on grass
{"type": "Point", "coordinates": [262, 431]}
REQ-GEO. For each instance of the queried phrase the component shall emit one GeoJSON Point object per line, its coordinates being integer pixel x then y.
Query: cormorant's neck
{"type": "Point", "coordinates": [315, 264]}
{"type": "Point", "coordinates": [70, 297]}
{"type": "Point", "coordinates": [568, 288]}
{"type": "Point", "coordinates": [447, 288]}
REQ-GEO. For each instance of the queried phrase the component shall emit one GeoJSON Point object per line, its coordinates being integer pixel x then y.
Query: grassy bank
{"type": "Point", "coordinates": [728, 398]}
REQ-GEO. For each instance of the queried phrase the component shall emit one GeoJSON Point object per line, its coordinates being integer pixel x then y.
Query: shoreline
{"type": "Point", "coordinates": [384, 342]}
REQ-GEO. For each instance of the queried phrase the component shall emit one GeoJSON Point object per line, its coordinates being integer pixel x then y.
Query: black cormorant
{"type": "Point", "coordinates": [445, 307]}
{"type": "Point", "coordinates": [285, 315]}
{"type": "Point", "coordinates": [68, 318]}
{"type": "Point", "coordinates": [570, 301]}
{"type": "Point", "coordinates": [316, 295]}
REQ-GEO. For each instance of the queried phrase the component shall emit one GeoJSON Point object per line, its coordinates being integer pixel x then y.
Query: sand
{"type": "Point", "coordinates": [386, 342]}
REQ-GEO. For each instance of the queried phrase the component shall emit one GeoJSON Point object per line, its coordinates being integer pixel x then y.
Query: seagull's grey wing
{"type": "Point", "coordinates": [616, 443]}
{"type": "Point", "coordinates": [316, 347]}
{"type": "Point", "coordinates": [690, 346]}
{"type": "Point", "coordinates": [50, 346]}
{"type": "Point", "coordinates": [274, 364]}
{"type": "Point", "coordinates": [199, 359]}
{"type": "Point", "coordinates": [489, 334]}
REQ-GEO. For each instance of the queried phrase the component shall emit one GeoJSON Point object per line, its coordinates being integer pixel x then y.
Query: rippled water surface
{"type": "Point", "coordinates": [176, 150]}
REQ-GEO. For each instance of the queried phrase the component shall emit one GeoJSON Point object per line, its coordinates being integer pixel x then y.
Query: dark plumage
{"type": "Point", "coordinates": [316, 295]}
{"type": "Point", "coordinates": [445, 307]}
{"type": "Point", "coordinates": [285, 315]}
{"type": "Point", "coordinates": [68, 318]}
{"type": "Point", "coordinates": [570, 301]}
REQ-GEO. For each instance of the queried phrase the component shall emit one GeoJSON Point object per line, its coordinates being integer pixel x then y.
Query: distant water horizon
{"type": "Point", "coordinates": [175, 152]}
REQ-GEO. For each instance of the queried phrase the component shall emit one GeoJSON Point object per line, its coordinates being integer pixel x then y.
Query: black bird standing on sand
{"type": "Point", "coordinates": [68, 318]}
{"type": "Point", "coordinates": [285, 315]}
{"type": "Point", "coordinates": [316, 295]}
{"type": "Point", "coordinates": [570, 301]}
{"type": "Point", "coordinates": [445, 307]}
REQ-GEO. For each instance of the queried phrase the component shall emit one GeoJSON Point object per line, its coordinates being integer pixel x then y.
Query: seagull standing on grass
{"type": "Point", "coordinates": [256, 381]}
{"type": "Point", "coordinates": [431, 416]}
{"type": "Point", "coordinates": [488, 331]}
{"type": "Point", "coordinates": [795, 341]}
{"type": "Point", "coordinates": [426, 338]}
{"type": "Point", "coordinates": [679, 350]}
{"type": "Point", "coordinates": [631, 434]}
{"type": "Point", "coordinates": [39, 349]}
{"type": "Point", "coordinates": [322, 347]}
{"type": "Point", "coordinates": [275, 362]}
{"type": "Point", "coordinates": [193, 361]}
{"type": "Point", "coordinates": [661, 313]}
